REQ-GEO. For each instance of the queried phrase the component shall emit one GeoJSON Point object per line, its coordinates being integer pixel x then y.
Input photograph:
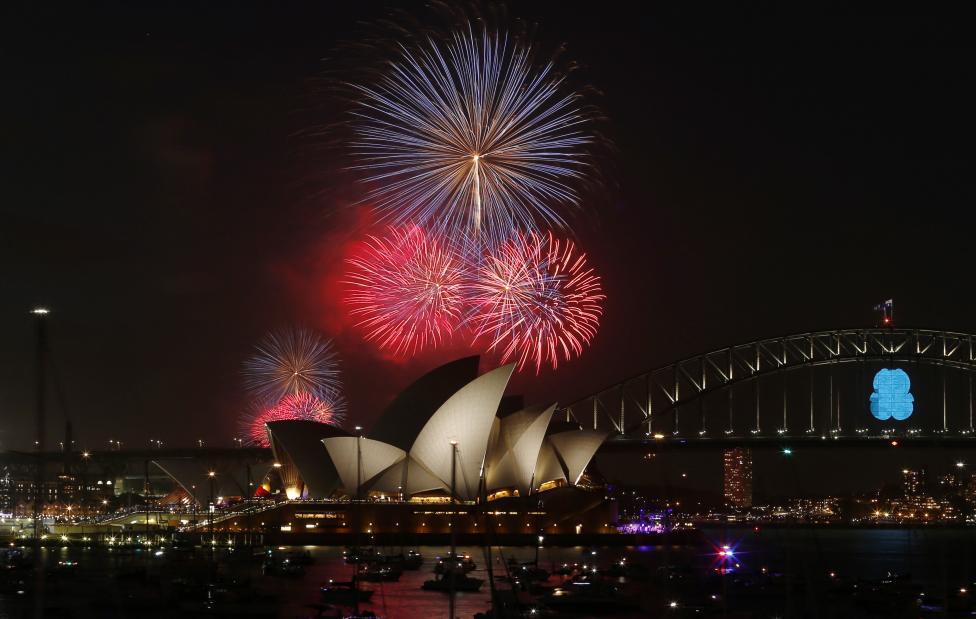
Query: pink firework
{"type": "Point", "coordinates": [536, 299]}
{"type": "Point", "coordinates": [405, 289]}
{"type": "Point", "coordinates": [320, 408]}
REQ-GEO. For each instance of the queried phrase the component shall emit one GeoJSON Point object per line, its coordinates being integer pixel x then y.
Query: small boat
{"type": "Point", "coordinates": [413, 560]}
{"type": "Point", "coordinates": [361, 555]}
{"type": "Point", "coordinates": [529, 572]}
{"type": "Point", "coordinates": [283, 567]}
{"type": "Point", "coordinates": [588, 596]}
{"type": "Point", "coordinates": [380, 572]}
{"type": "Point", "coordinates": [300, 558]}
{"type": "Point", "coordinates": [454, 581]}
{"type": "Point", "coordinates": [346, 593]}
{"type": "Point", "coordinates": [454, 563]}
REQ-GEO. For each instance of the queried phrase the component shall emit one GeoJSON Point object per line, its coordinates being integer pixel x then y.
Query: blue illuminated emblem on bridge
{"type": "Point", "coordinates": [892, 397]}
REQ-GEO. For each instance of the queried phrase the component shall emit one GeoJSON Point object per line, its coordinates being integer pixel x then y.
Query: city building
{"type": "Point", "coordinates": [913, 482]}
{"type": "Point", "coordinates": [969, 492]}
{"type": "Point", "coordinates": [737, 487]}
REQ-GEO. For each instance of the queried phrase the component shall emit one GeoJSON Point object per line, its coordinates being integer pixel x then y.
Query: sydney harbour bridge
{"type": "Point", "coordinates": [810, 389]}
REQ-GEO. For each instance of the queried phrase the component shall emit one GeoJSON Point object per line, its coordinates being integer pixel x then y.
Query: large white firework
{"type": "Point", "coordinates": [469, 136]}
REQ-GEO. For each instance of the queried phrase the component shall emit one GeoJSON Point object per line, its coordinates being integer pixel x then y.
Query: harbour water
{"type": "Point", "coordinates": [96, 582]}
{"type": "Point", "coordinates": [933, 556]}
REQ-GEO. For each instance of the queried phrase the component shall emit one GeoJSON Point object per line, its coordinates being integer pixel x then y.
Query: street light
{"type": "Point", "coordinates": [213, 509]}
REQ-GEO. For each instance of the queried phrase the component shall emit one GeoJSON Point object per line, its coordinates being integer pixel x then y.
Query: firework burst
{"type": "Point", "coordinates": [405, 289]}
{"type": "Point", "coordinates": [537, 300]}
{"type": "Point", "coordinates": [321, 408]}
{"type": "Point", "coordinates": [470, 136]}
{"type": "Point", "coordinates": [292, 361]}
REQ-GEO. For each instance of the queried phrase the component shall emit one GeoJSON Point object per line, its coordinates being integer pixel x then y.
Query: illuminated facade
{"type": "Point", "coordinates": [460, 443]}
{"type": "Point", "coordinates": [913, 482]}
{"type": "Point", "coordinates": [737, 487]}
{"type": "Point", "coordinates": [457, 430]}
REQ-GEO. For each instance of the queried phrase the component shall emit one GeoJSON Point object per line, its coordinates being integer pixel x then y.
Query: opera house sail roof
{"type": "Point", "coordinates": [358, 459]}
{"type": "Point", "coordinates": [297, 448]}
{"type": "Point", "coordinates": [514, 448]}
{"type": "Point", "coordinates": [405, 417]}
{"type": "Point", "coordinates": [462, 423]}
{"type": "Point", "coordinates": [448, 427]}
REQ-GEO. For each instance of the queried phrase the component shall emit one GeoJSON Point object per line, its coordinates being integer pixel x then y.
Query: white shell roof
{"type": "Point", "coordinates": [466, 419]}
{"type": "Point", "coordinates": [374, 457]}
{"type": "Point", "coordinates": [576, 448]}
{"type": "Point", "coordinates": [514, 450]}
{"type": "Point", "coordinates": [547, 467]}
{"type": "Point", "coordinates": [409, 475]}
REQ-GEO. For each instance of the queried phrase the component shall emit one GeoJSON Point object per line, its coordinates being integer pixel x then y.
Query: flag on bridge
{"type": "Point", "coordinates": [887, 309]}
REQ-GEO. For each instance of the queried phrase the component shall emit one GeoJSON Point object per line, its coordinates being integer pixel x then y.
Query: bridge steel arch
{"type": "Point", "coordinates": [628, 407]}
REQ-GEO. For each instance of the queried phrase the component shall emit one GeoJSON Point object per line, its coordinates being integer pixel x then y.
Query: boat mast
{"type": "Point", "coordinates": [451, 573]}
{"type": "Point", "coordinates": [359, 517]}
{"type": "Point", "coordinates": [40, 315]}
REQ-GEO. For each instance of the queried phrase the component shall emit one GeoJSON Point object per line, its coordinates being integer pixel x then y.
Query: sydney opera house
{"type": "Point", "coordinates": [451, 450]}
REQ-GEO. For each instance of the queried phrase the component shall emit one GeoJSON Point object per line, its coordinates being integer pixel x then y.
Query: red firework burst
{"type": "Point", "coordinates": [405, 289]}
{"type": "Point", "coordinates": [537, 299]}
{"type": "Point", "coordinates": [302, 405]}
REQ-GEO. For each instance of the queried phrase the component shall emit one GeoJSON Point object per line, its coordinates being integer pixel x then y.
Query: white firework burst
{"type": "Point", "coordinates": [470, 137]}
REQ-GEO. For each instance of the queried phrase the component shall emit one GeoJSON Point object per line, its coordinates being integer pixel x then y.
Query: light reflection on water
{"type": "Point", "coordinates": [405, 598]}
{"type": "Point", "coordinates": [932, 556]}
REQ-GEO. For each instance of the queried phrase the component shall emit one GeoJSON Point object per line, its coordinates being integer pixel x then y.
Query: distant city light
{"type": "Point", "coordinates": [787, 451]}
{"type": "Point", "coordinates": [40, 311]}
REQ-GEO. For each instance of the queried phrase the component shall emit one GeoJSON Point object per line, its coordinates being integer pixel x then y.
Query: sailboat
{"type": "Point", "coordinates": [451, 572]}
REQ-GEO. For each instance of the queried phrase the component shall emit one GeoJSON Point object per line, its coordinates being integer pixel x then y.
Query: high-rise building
{"type": "Point", "coordinates": [969, 491]}
{"type": "Point", "coordinates": [949, 482]}
{"type": "Point", "coordinates": [6, 493]}
{"type": "Point", "coordinates": [913, 482]}
{"type": "Point", "coordinates": [738, 477]}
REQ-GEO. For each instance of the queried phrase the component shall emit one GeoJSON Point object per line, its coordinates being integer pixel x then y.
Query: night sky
{"type": "Point", "coordinates": [773, 173]}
